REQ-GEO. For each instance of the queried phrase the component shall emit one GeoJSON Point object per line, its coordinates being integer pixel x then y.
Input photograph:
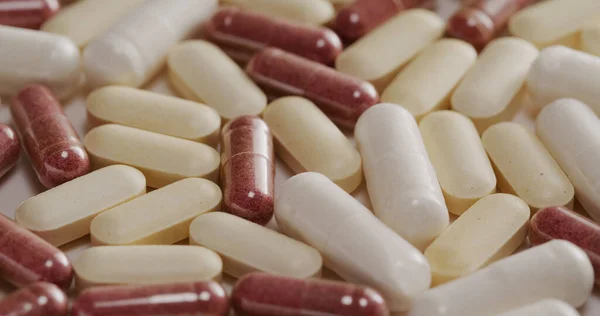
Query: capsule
{"type": "Point", "coordinates": [133, 50]}
{"type": "Point", "coordinates": [557, 269]}
{"type": "Point", "coordinates": [48, 137]}
{"type": "Point", "coordinates": [546, 307]}
{"type": "Point", "coordinates": [155, 113]}
{"type": "Point", "coordinates": [10, 149]}
{"type": "Point", "coordinates": [379, 56]}
{"type": "Point", "coordinates": [590, 39]}
{"type": "Point", "coordinates": [248, 169]}
{"type": "Point", "coordinates": [459, 159]}
{"type": "Point", "coordinates": [271, 295]}
{"type": "Point", "coordinates": [425, 85]}
{"type": "Point", "coordinates": [27, 13]}
{"type": "Point", "coordinates": [200, 71]}
{"type": "Point", "coordinates": [21, 65]}
{"type": "Point", "coordinates": [494, 89]}
{"type": "Point", "coordinates": [246, 247]}
{"type": "Point", "coordinates": [26, 258]}
{"type": "Point", "coordinates": [561, 72]}
{"type": "Point", "coordinates": [244, 33]}
{"type": "Point", "coordinates": [355, 244]}
{"type": "Point", "coordinates": [162, 159]}
{"type": "Point", "coordinates": [560, 223]}
{"type": "Point", "coordinates": [120, 265]}
{"type": "Point", "coordinates": [480, 21]}
{"type": "Point", "coordinates": [568, 129]}
{"type": "Point", "coordinates": [161, 217]}
{"type": "Point", "coordinates": [64, 213]}
{"type": "Point", "coordinates": [306, 140]}
{"type": "Point", "coordinates": [525, 168]}
{"type": "Point", "coordinates": [38, 299]}
{"type": "Point", "coordinates": [304, 11]}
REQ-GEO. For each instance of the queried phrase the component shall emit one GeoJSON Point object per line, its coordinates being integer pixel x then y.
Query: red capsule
{"type": "Point", "coordinates": [199, 298]}
{"type": "Point", "coordinates": [9, 149]}
{"type": "Point", "coordinates": [48, 137]}
{"type": "Point", "coordinates": [248, 169]}
{"type": "Point", "coordinates": [342, 97]}
{"type": "Point", "coordinates": [26, 258]}
{"type": "Point", "coordinates": [39, 299]}
{"type": "Point", "coordinates": [261, 294]}
{"type": "Point", "coordinates": [29, 14]}
{"type": "Point", "coordinates": [244, 33]}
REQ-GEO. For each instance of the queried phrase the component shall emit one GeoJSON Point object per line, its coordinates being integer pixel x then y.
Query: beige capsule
{"type": "Point", "coordinates": [116, 265]}
{"type": "Point", "coordinates": [590, 39]}
{"type": "Point", "coordinates": [64, 213]}
{"type": "Point", "coordinates": [162, 159]}
{"type": "Point", "coordinates": [155, 112]}
{"type": "Point", "coordinates": [525, 167]}
{"type": "Point", "coordinates": [492, 229]}
{"type": "Point", "coordinates": [459, 159]}
{"type": "Point", "coordinates": [379, 56]}
{"type": "Point", "coordinates": [304, 11]}
{"type": "Point", "coordinates": [247, 247]}
{"type": "Point", "coordinates": [494, 89]}
{"type": "Point", "coordinates": [161, 217]}
{"type": "Point", "coordinates": [306, 140]}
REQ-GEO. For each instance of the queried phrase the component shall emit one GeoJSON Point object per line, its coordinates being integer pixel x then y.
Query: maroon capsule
{"type": "Point", "coordinates": [244, 33]}
{"type": "Point", "coordinates": [479, 21]}
{"type": "Point", "coordinates": [261, 294]}
{"type": "Point", "coordinates": [558, 222]}
{"type": "Point", "coordinates": [248, 169]}
{"type": "Point", "coordinates": [342, 97]}
{"type": "Point", "coordinates": [48, 137]}
{"type": "Point", "coordinates": [39, 299]}
{"type": "Point", "coordinates": [189, 299]}
{"type": "Point", "coordinates": [29, 14]}
{"type": "Point", "coordinates": [26, 258]}
{"type": "Point", "coordinates": [9, 149]}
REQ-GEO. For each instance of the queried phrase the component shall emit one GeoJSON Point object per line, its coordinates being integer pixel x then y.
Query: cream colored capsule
{"type": "Point", "coordinates": [426, 83]}
{"type": "Point", "coordinates": [247, 247]}
{"type": "Point", "coordinates": [525, 167]}
{"type": "Point", "coordinates": [155, 112]}
{"type": "Point", "coordinates": [493, 90]}
{"type": "Point", "coordinates": [200, 71]}
{"type": "Point", "coordinates": [163, 159]}
{"type": "Point", "coordinates": [379, 56]}
{"type": "Point", "coordinates": [493, 228]}
{"type": "Point", "coordinates": [546, 307]}
{"type": "Point", "coordinates": [305, 11]}
{"type": "Point", "coordinates": [590, 39]}
{"type": "Point", "coordinates": [459, 159]}
{"type": "Point", "coordinates": [64, 213]}
{"type": "Point", "coordinates": [115, 265]}
{"type": "Point", "coordinates": [307, 140]}
{"type": "Point", "coordinates": [160, 217]}
{"type": "Point", "coordinates": [554, 22]}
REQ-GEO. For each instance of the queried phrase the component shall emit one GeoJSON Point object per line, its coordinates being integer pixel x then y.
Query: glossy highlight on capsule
{"type": "Point", "coordinates": [10, 149]}
{"type": "Point", "coordinates": [27, 13]}
{"type": "Point", "coordinates": [38, 299]}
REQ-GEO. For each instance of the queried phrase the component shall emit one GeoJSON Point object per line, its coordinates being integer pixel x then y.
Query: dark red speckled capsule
{"type": "Point", "coordinates": [26, 258]}
{"type": "Point", "coordinates": [342, 97]}
{"type": "Point", "coordinates": [189, 299]}
{"type": "Point", "coordinates": [48, 137]}
{"type": "Point", "coordinates": [29, 14]}
{"type": "Point", "coordinates": [248, 169]}
{"type": "Point", "coordinates": [261, 294]}
{"type": "Point", "coordinates": [243, 33]}
{"type": "Point", "coordinates": [9, 149]}
{"type": "Point", "coordinates": [479, 21]}
{"type": "Point", "coordinates": [39, 299]}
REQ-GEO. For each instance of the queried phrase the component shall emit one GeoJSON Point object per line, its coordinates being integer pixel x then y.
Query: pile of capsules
{"type": "Point", "coordinates": [420, 160]}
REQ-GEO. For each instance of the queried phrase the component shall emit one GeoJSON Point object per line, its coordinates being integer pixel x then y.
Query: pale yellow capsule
{"type": "Point", "coordinates": [525, 167]}
{"type": "Point", "coordinates": [590, 39]}
{"type": "Point", "coordinates": [202, 72]}
{"type": "Point", "coordinates": [426, 83]}
{"type": "Point", "coordinates": [161, 217]}
{"type": "Point", "coordinates": [247, 247]}
{"type": "Point", "coordinates": [379, 56]}
{"type": "Point", "coordinates": [163, 159]}
{"type": "Point", "coordinates": [306, 140]}
{"type": "Point", "coordinates": [459, 159]}
{"type": "Point", "coordinates": [64, 213]}
{"type": "Point", "coordinates": [491, 229]}
{"type": "Point", "coordinates": [120, 265]}
{"type": "Point", "coordinates": [493, 90]}
{"type": "Point", "coordinates": [155, 112]}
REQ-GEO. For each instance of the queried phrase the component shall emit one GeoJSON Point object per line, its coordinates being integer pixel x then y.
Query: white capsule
{"type": "Point", "coordinates": [402, 183]}
{"type": "Point", "coordinates": [547, 307]}
{"type": "Point", "coordinates": [353, 243]}
{"type": "Point", "coordinates": [304, 11]}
